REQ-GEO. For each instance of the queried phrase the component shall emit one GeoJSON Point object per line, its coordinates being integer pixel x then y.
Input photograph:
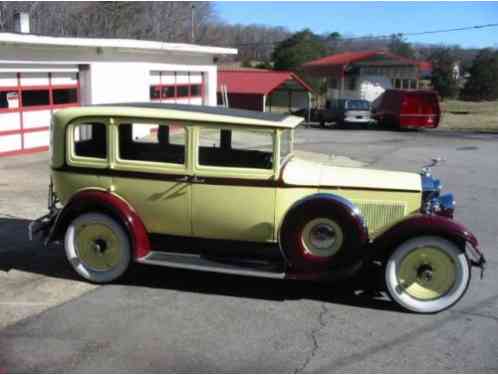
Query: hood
{"type": "Point", "coordinates": [304, 173]}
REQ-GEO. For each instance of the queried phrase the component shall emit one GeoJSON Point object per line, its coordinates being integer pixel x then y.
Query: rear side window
{"type": "Point", "coordinates": [235, 148]}
{"type": "Point", "coordinates": [148, 142]}
{"type": "Point", "coordinates": [90, 140]}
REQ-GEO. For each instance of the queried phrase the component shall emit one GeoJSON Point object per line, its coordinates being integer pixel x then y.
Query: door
{"type": "Point", "coordinates": [27, 102]}
{"type": "Point", "coordinates": [151, 173]}
{"type": "Point", "coordinates": [233, 189]}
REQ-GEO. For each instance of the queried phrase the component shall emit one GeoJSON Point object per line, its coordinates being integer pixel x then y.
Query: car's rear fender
{"type": "Point", "coordinates": [105, 202]}
{"type": "Point", "coordinates": [423, 225]}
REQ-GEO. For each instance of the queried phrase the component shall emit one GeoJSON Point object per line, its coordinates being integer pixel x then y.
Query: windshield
{"type": "Point", "coordinates": [286, 146]}
{"type": "Point", "coordinates": [357, 105]}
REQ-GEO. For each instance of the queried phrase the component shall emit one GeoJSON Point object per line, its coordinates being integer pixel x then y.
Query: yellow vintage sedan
{"type": "Point", "coordinates": [220, 190]}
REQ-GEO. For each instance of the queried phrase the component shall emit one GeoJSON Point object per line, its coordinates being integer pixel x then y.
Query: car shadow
{"type": "Point", "coordinates": [363, 290]}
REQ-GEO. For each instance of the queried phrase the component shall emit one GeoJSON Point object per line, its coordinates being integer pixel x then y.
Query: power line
{"type": "Point", "coordinates": [388, 36]}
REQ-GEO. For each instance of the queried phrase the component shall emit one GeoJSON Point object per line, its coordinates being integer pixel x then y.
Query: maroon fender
{"type": "Point", "coordinates": [425, 224]}
{"type": "Point", "coordinates": [103, 201]}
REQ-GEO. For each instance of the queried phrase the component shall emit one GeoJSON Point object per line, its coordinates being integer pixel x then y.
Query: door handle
{"type": "Point", "coordinates": [197, 179]}
{"type": "Point", "coordinates": [182, 179]}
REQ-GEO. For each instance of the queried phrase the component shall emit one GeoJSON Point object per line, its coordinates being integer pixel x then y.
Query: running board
{"type": "Point", "coordinates": [201, 263]}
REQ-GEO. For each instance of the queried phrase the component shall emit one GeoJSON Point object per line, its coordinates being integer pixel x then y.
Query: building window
{"type": "Point", "coordinates": [32, 98]}
{"type": "Point", "coordinates": [175, 91]}
{"type": "Point", "coordinates": [90, 140]}
{"type": "Point", "coordinates": [155, 92]}
{"type": "Point", "coordinates": [65, 96]}
{"type": "Point", "coordinates": [397, 83]}
{"type": "Point", "coordinates": [195, 90]}
{"type": "Point", "coordinates": [413, 84]}
{"type": "Point", "coordinates": [182, 91]}
{"type": "Point", "coordinates": [406, 84]}
{"type": "Point", "coordinates": [168, 92]}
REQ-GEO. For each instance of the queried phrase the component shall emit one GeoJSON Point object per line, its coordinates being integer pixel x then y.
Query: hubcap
{"type": "Point", "coordinates": [427, 273]}
{"type": "Point", "coordinates": [98, 246]}
{"type": "Point", "coordinates": [322, 237]}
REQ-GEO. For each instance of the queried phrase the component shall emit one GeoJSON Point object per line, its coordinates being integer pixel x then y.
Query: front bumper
{"type": "Point", "coordinates": [475, 256]}
{"type": "Point", "coordinates": [39, 229]}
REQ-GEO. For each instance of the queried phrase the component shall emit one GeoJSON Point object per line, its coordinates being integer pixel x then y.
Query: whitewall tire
{"type": "Point", "coordinates": [97, 247]}
{"type": "Point", "coordinates": [427, 274]}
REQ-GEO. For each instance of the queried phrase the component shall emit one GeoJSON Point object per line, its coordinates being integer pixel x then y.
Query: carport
{"type": "Point", "coordinates": [264, 90]}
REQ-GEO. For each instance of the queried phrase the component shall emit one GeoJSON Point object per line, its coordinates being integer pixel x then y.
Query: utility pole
{"type": "Point", "coordinates": [193, 26]}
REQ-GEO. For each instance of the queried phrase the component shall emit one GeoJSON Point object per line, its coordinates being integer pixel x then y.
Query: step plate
{"type": "Point", "coordinates": [200, 263]}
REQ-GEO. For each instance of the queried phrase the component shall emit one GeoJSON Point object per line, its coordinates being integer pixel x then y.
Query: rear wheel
{"type": "Point", "coordinates": [97, 247]}
{"type": "Point", "coordinates": [427, 274]}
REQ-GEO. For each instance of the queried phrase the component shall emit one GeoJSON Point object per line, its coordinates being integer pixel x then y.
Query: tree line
{"type": "Point", "coordinates": [258, 45]}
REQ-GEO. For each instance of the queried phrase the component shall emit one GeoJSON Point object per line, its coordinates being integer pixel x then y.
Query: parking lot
{"type": "Point", "coordinates": [160, 319]}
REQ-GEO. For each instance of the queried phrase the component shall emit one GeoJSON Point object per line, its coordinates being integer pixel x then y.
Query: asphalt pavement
{"type": "Point", "coordinates": [166, 320]}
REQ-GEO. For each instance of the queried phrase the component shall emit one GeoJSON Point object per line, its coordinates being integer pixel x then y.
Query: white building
{"type": "Point", "coordinates": [40, 74]}
{"type": "Point", "coordinates": [367, 74]}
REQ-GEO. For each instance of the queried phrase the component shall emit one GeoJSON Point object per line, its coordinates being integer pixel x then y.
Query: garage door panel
{"type": "Point", "coordinates": [36, 119]}
{"type": "Point", "coordinates": [182, 78]}
{"type": "Point", "coordinates": [8, 80]}
{"type": "Point", "coordinates": [10, 121]}
{"type": "Point", "coordinates": [64, 78]}
{"type": "Point", "coordinates": [10, 143]}
{"type": "Point", "coordinates": [36, 139]}
{"type": "Point", "coordinates": [155, 78]}
{"type": "Point", "coordinates": [34, 79]}
{"type": "Point", "coordinates": [196, 101]}
{"type": "Point", "coordinates": [168, 78]}
{"type": "Point", "coordinates": [196, 77]}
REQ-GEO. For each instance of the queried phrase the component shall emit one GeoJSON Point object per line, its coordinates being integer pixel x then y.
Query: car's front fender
{"type": "Point", "coordinates": [432, 225]}
{"type": "Point", "coordinates": [106, 202]}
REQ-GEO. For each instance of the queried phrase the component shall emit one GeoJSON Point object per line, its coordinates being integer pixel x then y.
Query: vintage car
{"type": "Point", "coordinates": [217, 189]}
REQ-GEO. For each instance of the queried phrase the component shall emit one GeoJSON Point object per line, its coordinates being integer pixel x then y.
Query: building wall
{"type": "Point", "coordinates": [105, 76]}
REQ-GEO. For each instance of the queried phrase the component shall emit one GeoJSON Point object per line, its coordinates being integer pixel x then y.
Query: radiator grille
{"type": "Point", "coordinates": [380, 213]}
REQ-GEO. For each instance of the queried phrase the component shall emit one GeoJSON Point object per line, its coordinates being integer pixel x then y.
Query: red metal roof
{"type": "Point", "coordinates": [351, 57]}
{"type": "Point", "coordinates": [259, 81]}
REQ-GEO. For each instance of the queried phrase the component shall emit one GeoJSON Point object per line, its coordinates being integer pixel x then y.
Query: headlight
{"type": "Point", "coordinates": [443, 205]}
{"type": "Point", "coordinates": [432, 201]}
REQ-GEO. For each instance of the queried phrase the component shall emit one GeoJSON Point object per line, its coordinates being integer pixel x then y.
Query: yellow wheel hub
{"type": "Point", "coordinates": [97, 246]}
{"type": "Point", "coordinates": [427, 273]}
{"type": "Point", "coordinates": [322, 237]}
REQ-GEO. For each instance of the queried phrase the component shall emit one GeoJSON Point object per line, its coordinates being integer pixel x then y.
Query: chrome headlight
{"type": "Point", "coordinates": [431, 187]}
{"type": "Point", "coordinates": [443, 205]}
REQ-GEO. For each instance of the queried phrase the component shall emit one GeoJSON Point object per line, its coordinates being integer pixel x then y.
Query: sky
{"type": "Point", "coordinates": [373, 18]}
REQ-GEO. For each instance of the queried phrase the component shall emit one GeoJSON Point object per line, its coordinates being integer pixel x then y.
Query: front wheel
{"type": "Point", "coordinates": [97, 247]}
{"type": "Point", "coordinates": [427, 274]}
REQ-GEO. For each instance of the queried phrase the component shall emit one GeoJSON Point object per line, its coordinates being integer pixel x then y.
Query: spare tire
{"type": "Point", "coordinates": [323, 232]}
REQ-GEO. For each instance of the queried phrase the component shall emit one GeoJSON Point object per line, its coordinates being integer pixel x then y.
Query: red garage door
{"type": "Point", "coordinates": [177, 87]}
{"type": "Point", "coordinates": [27, 102]}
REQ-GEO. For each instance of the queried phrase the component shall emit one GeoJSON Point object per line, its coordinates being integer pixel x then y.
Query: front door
{"type": "Point", "coordinates": [151, 173]}
{"type": "Point", "coordinates": [233, 193]}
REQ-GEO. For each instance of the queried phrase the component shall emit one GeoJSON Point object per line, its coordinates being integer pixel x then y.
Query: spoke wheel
{"type": "Point", "coordinates": [427, 274]}
{"type": "Point", "coordinates": [97, 247]}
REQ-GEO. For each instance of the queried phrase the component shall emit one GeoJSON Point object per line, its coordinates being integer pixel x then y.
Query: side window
{"type": "Point", "coordinates": [90, 140]}
{"type": "Point", "coordinates": [235, 148]}
{"type": "Point", "coordinates": [152, 142]}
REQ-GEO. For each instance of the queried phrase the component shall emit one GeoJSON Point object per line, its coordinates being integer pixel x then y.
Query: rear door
{"type": "Point", "coordinates": [233, 190]}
